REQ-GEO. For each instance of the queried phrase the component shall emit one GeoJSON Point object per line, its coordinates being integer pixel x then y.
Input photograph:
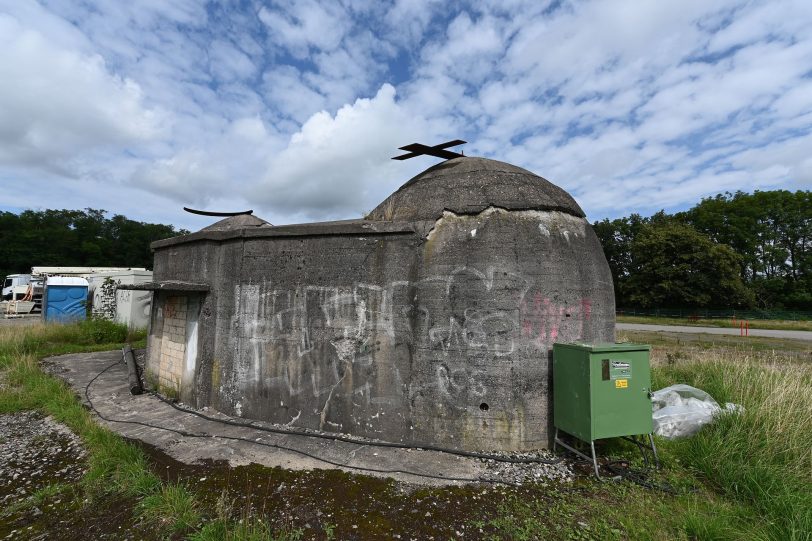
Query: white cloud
{"type": "Point", "coordinates": [407, 20]}
{"type": "Point", "coordinates": [301, 25]}
{"type": "Point", "coordinates": [339, 165]}
{"type": "Point", "coordinates": [221, 164]}
{"type": "Point", "coordinates": [56, 102]}
{"type": "Point", "coordinates": [228, 62]}
{"type": "Point", "coordinates": [290, 94]}
{"type": "Point", "coordinates": [298, 106]}
{"type": "Point", "coordinates": [468, 50]}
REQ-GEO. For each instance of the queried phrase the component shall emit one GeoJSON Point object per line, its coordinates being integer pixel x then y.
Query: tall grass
{"type": "Point", "coordinates": [249, 528]}
{"type": "Point", "coordinates": [114, 464]}
{"type": "Point", "coordinates": [172, 509]}
{"type": "Point", "coordinates": [54, 338]}
{"type": "Point", "coordinates": [763, 456]}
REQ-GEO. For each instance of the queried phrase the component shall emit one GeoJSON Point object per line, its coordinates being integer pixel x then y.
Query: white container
{"type": "Point", "coordinates": [129, 307]}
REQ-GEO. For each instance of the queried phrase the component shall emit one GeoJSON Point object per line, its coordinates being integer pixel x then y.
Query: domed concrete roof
{"type": "Point", "coordinates": [237, 222]}
{"type": "Point", "coordinates": [470, 185]}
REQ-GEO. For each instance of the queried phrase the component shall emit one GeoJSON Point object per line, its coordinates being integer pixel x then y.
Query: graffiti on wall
{"type": "Point", "coordinates": [544, 321]}
{"type": "Point", "coordinates": [104, 299]}
{"type": "Point", "coordinates": [323, 341]}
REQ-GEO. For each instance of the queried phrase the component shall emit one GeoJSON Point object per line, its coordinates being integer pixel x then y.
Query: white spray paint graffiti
{"type": "Point", "coordinates": [321, 341]}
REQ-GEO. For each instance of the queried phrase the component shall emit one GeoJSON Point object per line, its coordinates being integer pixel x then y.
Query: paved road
{"type": "Point", "coordinates": [19, 321]}
{"type": "Point", "coordinates": [770, 333]}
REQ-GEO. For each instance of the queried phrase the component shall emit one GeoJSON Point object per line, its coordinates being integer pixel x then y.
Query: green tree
{"type": "Point", "coordinates": [674, 265]}
{"type": "Point", "coordinates": [616, 237]}
{"type": "Point", "coordinates": [772, 232]}
{"type": "Point", "coordinates": [75, 238]}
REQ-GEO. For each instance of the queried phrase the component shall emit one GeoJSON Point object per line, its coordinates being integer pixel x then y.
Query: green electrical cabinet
{"type": "Point", "coordinates": [602, 391]}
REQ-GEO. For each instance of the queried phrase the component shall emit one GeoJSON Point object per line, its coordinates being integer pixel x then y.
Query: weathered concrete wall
{"type": "Point", "coordinates": [304, 330]}
{"type": "Point", "coordinates": [498, 288]}
{"type": "Point", "coordinates": [426, 331]}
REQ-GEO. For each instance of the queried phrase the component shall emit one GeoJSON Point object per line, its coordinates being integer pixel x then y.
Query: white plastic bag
{"type": "Point", "coordinates": [681, 410]}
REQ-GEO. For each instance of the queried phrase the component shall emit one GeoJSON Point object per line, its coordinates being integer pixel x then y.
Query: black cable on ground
{"type": "Point", "coordinates": [641, 477]}
{"type": "Point", "coordinates": [371, 443]}
{"type": "Point", "coordinates": [276, 446]}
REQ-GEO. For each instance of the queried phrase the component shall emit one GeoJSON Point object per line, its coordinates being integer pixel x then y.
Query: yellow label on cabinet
{"type": "Point", "coordinates": [621, 383]}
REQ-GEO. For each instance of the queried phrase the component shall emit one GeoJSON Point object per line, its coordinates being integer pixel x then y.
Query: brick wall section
{"type": "Point", "coordinates": [173, 343]}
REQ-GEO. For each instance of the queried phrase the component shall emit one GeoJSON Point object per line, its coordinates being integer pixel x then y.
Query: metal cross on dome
{"type": "Point", "coordinates": [417, 149]}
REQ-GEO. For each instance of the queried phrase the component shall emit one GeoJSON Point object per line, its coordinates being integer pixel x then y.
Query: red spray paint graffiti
{"type": "Point", "coordinates": [545, 321]}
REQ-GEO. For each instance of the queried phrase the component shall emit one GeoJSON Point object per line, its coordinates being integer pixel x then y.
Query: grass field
{"type": "Point", "coordinates": [777, 324]}
{"type": "Point", "coordinates": [762, 457]}
{"type": "Point", "coordinates": [745, 477]}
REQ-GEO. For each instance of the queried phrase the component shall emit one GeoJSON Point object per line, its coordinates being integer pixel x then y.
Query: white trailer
{"type": "Point", "coordinates": [22, 293]}
{"type": "Point", "coordinates": [80, 272]}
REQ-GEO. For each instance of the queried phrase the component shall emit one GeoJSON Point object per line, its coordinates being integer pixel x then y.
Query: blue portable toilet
{"type": "Point", "coordinates": [65, 299]}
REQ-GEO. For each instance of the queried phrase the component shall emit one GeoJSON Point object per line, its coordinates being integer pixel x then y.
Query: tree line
{"type": "Point", "coordinates": [729, 251]}
{"type": "Point", "coordinates": [735, 250]}
{"type": "Point", "coordinates": [75, 238]}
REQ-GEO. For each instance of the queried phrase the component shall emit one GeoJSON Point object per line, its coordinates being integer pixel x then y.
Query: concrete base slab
{"type": "Point", "coordinates": [102, 377]}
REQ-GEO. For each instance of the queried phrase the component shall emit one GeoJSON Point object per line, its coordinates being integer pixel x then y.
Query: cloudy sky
{"type": "Point", "coordinates": [293, 108]}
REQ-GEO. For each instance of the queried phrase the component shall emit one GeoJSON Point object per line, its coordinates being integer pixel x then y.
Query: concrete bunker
{"type": "Point", "coordinates": [429, 321]}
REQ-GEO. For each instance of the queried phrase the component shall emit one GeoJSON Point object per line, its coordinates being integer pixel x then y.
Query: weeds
{"type": "Point", "coordinates": [36, 499]}
{"type": "Point", "coordinates": [249, 528]}
{"type": "Point", "coordinates": [116, 467]}
{"type": "Point", "coordinates": [719, 521]}
{"type": "Point", "coordinates": [519, 520]}
{"type": "Point", "coordinates": [43, 339]}
{"type": "Point", "coordinates": [673, 358]}
{"type": "Point", "coordinates": [172, 509]}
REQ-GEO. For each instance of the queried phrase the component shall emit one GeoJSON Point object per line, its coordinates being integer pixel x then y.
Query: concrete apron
{"type": "Point", "coordinates": [112, 399]}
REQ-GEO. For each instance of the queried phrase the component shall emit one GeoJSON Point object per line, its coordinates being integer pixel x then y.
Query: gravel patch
{"type": "Point", "coordinates": [519, 474]}
{"type": "Point", "coordinates": [36, 451]}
